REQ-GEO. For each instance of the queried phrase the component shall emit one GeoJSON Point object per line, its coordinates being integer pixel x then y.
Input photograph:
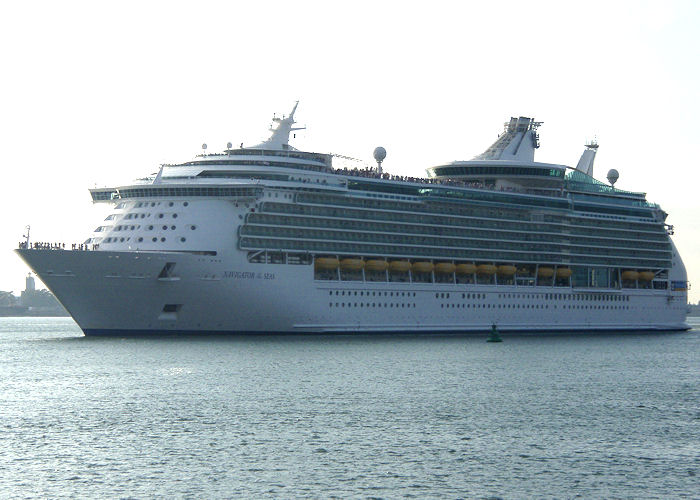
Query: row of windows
{"type": "Point", "coordinates": [407, 207]}
{"type": "Point", "coordinates": [499, 211]}
{"type": "Point", "coordinates": [581, 277]}
{"type": "Point", "coordinates": [471, 306]}
{"type": "Point", "coordinates": [501, 171]}
{"type": "Point", "coordinates": [564, 296]}
{"type": "Point", "coordinates": [440, 207]}
{"type": "Point", "coordinates": [474, 296]}
{"type": "Point", "coordinates": [469, 229]}
{"type": "Point", "coordinates": [373, 293]}
{"type": "Point", "coordinates": [122, 227]}
{"type": "Point", "coordinates": [481, 220]}
{"type": "Point", "coordinates": [445, 190]}
{"type": "Point", "coordinates": [162, 192]}
{"type": "Point", "coordinates": [257, 163]}
{"type": "Point", "coordinates": [359, 248]}
{"type": "Point", "coordinates": [156, 203]}
{"type": "Point", "coordinates": [143, 215]}
{"type": "Point", "coordinates": [644, 213]}
{"type": "Point", "coordinates": [373, 304]}
{"type": "Point", "coordinates": [139, 239]}
{"type": "Point", "coordinates": [526, 306]}
{"type": "Point", "coordinates": [493, 240]}
{"type": "Point", "coordinates": [467, 244]}
{"type": "Point", "coordinates": [549, 202]}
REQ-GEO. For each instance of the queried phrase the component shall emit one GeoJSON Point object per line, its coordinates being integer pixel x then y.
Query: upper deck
{"type": "Point", "coordinates": [505, 173]}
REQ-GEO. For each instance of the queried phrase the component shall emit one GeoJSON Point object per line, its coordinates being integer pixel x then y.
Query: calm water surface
{"type": "Point", "coordinates": [381, 417]}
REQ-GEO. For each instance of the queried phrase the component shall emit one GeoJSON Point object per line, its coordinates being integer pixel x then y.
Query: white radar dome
{"type": "Point", "coordinates": [613, 175]}
{"type": "Point", "coordinates": [379, 154]}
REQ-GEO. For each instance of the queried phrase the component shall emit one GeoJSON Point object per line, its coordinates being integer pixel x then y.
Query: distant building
{"type": "Point", "coordinates": [31, 302]}
{"type": "Point", "coordinates": [694, 309]}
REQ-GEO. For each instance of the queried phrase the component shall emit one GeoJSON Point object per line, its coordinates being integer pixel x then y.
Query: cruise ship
{"type": "Point", "coordinates": [271, 239]}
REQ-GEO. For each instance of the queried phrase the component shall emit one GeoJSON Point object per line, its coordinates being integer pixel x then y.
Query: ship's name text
{"type": "Point", "coordinates": [245, 275]}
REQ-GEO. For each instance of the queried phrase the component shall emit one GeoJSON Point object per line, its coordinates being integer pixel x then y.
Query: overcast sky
{"type": "Point", "coordinates": [101, 93]}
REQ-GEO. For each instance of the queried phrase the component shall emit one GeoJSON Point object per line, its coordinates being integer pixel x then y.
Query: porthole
{"type": "Point", "coordinates": [160, 216]}
{"type": "Point", "coordinates": [183, 239]}
{"type": "Point", "coordinates": [154, 239]}
{"type": "Point", "coordinates": [150, 228]}
{"type": "Point", "coordinates": [165, 228]}
{"type": "Point", "coordinates": [162, 239]}
{"type": "Point", "coordinates": [193, 227]}
{"type": "Point", "coordinates": [174, 216]}
{"type": "Point", "coordinates": [140, 240]}
{"type": "Point", "coordinates": [171, 204]}
{"type": "Point", "coordinates": [172, 227]}
{"type": "Point", "coordinates": [185, 204]}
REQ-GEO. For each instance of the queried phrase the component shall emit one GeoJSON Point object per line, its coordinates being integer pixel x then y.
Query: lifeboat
{"type": "Point", "coordinates": [506, 270]}
{"type": "Point", "coordinates": [545, 272]}
{"type": "Point", "coordinates": [445, 268]}
{"type": "Point", "coordinates": [326, 263]}
{"type": "Point", "coordinates": [466, 268]}
{"type": "Point", "coordinates": [399, 266]}
{"type": "Point", "coordinates": [563, 272]}
{"type": "Point", "coordinates": [646, 275]}
{"type": "Point", "coordinates": [630, 275]}
{"type": "Point", "coordinates": [486, 269]}
{"type": "Point", "coordinates": [422, 267]}
{"type": "Point", "coordinates": [376, 265]}
{"type": "Point", "coordinates": [352, 264]}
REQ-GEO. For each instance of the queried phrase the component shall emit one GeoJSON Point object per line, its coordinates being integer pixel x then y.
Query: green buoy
{"type": "Point", "coordinates": [494, 337]}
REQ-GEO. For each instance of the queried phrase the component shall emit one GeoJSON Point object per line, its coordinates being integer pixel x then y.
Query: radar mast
{"type": "Point", "coordinates": [280, 133]}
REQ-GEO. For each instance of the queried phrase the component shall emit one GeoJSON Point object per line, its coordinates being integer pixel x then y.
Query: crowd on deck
{"type": "Point", "coordinates": [373, 174]}
{"type": "Point", "coordinates": [40, 245]}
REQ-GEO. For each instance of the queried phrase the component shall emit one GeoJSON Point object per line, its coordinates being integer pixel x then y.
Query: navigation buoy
{"type": "Point", "coordinates": [494, 337]}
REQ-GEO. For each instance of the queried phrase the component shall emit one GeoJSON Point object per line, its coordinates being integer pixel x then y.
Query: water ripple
{"type": "Point", "coordinates": [370, 417]}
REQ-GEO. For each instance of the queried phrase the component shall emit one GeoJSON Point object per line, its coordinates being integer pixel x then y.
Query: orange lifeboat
{"type": "Point", "coordinates": [445, 268]}
{"type": "Point", "coordinates": [506, 270]}
{"type": "Point", "coordinates": [352, 264]}
{"type": "Point", "coordinates": [399, 266]}
{"type": "Point", "coordinates": [545, 272]}
{"type": "Point", "coordinates": [646, 275]}
{"type": "Point", "coordinates": [486, 269]}
{"type": "Point", "coordinates": [563, 272]}
{"type": "Point", "coordinates": [376, 265]}
{"type": "Point", "coordinates": [326, 263]}
{"type": "Point", "coordinates": [422, 267]}
{"type": "Point", "coordinates": [630, 275]}
{"type": "Point", "coordinates": [466, 268]}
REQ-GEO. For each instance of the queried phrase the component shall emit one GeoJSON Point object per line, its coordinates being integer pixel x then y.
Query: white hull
{"type": "Point", "coordinates": [119, 293]}
{"type": "Point", "coordinates": [238, 242]}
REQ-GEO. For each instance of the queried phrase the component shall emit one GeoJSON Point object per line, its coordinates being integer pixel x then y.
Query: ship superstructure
{"type": "Point", "coordinates": [272, 239]}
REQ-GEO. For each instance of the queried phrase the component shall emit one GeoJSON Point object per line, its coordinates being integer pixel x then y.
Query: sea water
{"type": "Point", "coordinates": [548, 416]}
